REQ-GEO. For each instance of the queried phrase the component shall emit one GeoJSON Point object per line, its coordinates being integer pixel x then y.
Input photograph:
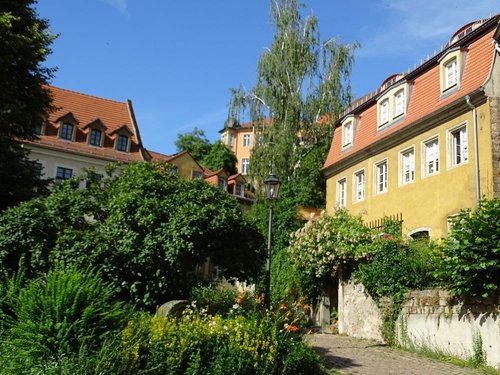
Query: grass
{"type": "Point", "coordinates": [441, 356]}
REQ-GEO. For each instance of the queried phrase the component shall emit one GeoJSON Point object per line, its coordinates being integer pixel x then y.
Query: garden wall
{"type": "Point", "coordinates": [429, 318]}
{"type": "Point", "coordinates": [432, 318]}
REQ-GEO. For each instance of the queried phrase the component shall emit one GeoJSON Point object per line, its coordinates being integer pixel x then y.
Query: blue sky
{"type": "Point", "coordinates": [177, 59]}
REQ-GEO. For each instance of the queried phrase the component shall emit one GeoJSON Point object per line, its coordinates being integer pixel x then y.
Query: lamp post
{"type": "Point", "coordinates": [272, 186]}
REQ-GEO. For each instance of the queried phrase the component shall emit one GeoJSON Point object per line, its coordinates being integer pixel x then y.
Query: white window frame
{"type": "Point", "coordinates": [458, 153]}
{"type": "Point", "coordinates": [384, 112]}
{"type": "Point", "coordinates": [347, 134]}
{"type": "Point", "coordinates": [359, 185]}
{"type": "Point", "coordinates": [399, 103]}
{"type": "Point", "coordinates": [381, 185]}
{"type": "Point", "coordinates": [196, 175]}
{"type": "Point", "coordinates": [245, 164]}
{"type": "Point", "coordinates": [407, 166]}
{"type": "Point", "coordinates": [450, 70]}
{"type": "Point", "coordinates": [430, 156]}
{"type": "Point", "coordinates": [246, 140]}
{"type": "Point", "coordinates": [341, 193]}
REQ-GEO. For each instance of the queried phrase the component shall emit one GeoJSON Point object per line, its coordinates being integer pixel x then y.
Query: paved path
{"type": "Point", "coordinates": [354, 356]}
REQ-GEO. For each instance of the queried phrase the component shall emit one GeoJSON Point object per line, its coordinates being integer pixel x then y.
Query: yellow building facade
{"type": "Point", "coordinates": [425, 144]}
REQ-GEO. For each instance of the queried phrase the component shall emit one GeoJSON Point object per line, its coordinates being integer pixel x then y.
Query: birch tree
{"type": "Point", "coordinates": [302, 85]}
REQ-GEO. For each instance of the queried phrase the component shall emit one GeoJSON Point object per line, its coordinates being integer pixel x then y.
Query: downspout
{"type": "Point", "coordinates": [476, 156]}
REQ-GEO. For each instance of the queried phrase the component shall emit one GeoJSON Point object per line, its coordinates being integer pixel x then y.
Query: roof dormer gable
{"type": "Point", "coordinates": [123, 130]}
{"type": "Point", "coordinates": [69, 118]}
{"type": "Point", "coordinates": [95, 124]}
{"type": "Point", "coordinates": [392, 103]}
{"type": "Point", "coordinates": [451, 66]}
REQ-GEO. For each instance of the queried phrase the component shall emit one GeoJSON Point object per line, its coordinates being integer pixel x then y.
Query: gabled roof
{"type": "Point", "coordinates": [84, 110]}
{"type": "Point", "coordinates": [426, 97]}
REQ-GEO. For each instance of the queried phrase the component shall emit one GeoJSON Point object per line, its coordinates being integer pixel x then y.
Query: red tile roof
{"type": "Point", "coordinates": [86, 109]}
{"type": "Point", "coordinates": [425, 93]}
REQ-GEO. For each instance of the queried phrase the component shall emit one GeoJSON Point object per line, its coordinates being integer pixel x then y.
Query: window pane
{"type": "Point", "coordinates": [122, 143]}
{"type": "Point", "coordinates": [63, 174]}
{"type": "Point", "coordinates": [67, 132]}
{"type": "Point", "coordinates": [95, 137]}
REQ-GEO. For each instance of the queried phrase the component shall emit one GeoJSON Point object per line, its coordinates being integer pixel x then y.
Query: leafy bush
{"type": "Point", "coordinates": [471, 260]}
{"type": "Point", "coordinates": [56, 316]}
{"type": "Point", "coordinates": [145, 228]}
{"type": "Point", "coordinates": [214, 345]}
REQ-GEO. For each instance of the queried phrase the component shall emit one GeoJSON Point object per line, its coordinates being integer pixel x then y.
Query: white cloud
{"type": "Point", "coordinates": [119, 5]}
{"type": "Point", "coordinates": [408, 24]}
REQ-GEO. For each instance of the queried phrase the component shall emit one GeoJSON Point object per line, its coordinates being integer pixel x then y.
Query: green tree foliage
{"type": "Point", "coordinates": [220, 156]}
{"type": "Point", "coordinates": [472, 251]}
{"type": "Point", "coordinates": [24, 100]}
{"type": "Point", "coordinates": [195, 142]}
{"type": "Point", "coordinates": [146, 228]}
{"type": "Point", "coordinates": [301, 87]}
{"type": "Point", "coordinates": [55, 316]}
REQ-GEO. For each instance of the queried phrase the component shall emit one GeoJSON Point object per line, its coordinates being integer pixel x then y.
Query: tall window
{"type": "Point", "coordinates": [246, 140]}
{"type": "Point", "coordinates": [407, 166]}
{"type": "Point", "coordinates": [399, 103]}
{"type": "Point", "coordinates": [381, 177]}
{"type": "Point", "coordinates": [341, 192]}
{"type": "Point", "coordinates": [122, 143]}
{"type": "Point", "coordinates": [459, 148]}
{"type": "Point", "coordinates": [67, 132]}
{"type": "Point", "coordinates": [63, 174]}
{"type": "Point", "coordinates": [450, 74]}
{"type": "Point", "coordinates": [95, 137]}
{"type": "Point", "coordinates": [431, 155]}
{"type": "Point", "coordinates": [222, 183]}
{"type": "Point", "coordinates": [245, 163]}
{"type": "Point", "coordinates": [347, 134]}
{"type": "Point", "coordinates": [359, 188]}
{"type": "Point", "coordinates": [239, 189]}
{"type": "Point", "coordinates": [384, 112]}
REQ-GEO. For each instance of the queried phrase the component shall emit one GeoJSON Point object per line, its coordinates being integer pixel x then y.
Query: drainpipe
{"type": "Point", "coordinates": [476, 156]}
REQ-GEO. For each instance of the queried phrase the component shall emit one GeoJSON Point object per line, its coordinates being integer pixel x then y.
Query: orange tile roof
{"type": "Point", "coordinates": [85, 109]}
{"type": "Point", "coordinates": [425, 95]}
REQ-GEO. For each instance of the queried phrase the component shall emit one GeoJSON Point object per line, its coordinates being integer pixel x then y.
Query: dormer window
{"type": "Point", "coordinates": [450, 69]}
{"type": "Point", "coordinates": [95, 137]}
{"type": "Point", "coordinates": [450, 74]}
{"type": "Point", "coordinates": [399, 103]}
{"type": "Point", "coordinates": [384, 112]}
{"type": "Point", "coordinates": [222, 183]}
{"type": "Point", "coordinates": [66, 131]}
{"type": "Point", "coordinates": [122, 143]}
{"type": "Point", "coordinates": [392, 104]}
{"type": "Point", "coordinates": [240, 188]}
{"type": "Point", "coordinates": [347, 134]}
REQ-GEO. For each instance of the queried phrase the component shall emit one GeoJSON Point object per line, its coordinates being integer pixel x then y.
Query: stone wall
{"type": "Point", "coordinates": [433, 319]}
{"type": "Point", "coordinates": [429, 318]}
{"type": "Point", "coordinates": [358, 315]}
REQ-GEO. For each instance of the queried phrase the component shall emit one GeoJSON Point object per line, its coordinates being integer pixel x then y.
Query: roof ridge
{"type": "Point", "coordinates": [88, 95]}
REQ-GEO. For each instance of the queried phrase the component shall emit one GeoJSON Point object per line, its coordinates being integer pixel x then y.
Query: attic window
{"type": "Point", "coordinates": [384, 112]}
{"type": "Point", "coordinates": [450, 69]}
{"type": "Point", "coordinates": [222, 183]}
{"type": "Point", "coordinates": [122, 143]}
{"type": "Point", "coordinates": [66, 132]}
{"type": "Point", "coordinates": [95, 137]}
{"type": "Point", "coordinates": [347, 134]}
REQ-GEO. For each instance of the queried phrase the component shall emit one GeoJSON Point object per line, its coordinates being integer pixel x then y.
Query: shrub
{"type": "Point", "coordinates": [472, 251]}
{"type": "Point", "coordinates": [56, 316]}
{"type": "Point", "coordinates": [214, 345]}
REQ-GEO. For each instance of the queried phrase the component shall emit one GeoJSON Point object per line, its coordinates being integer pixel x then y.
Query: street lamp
{"type": "Point", "coordinates": [272, 186]}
